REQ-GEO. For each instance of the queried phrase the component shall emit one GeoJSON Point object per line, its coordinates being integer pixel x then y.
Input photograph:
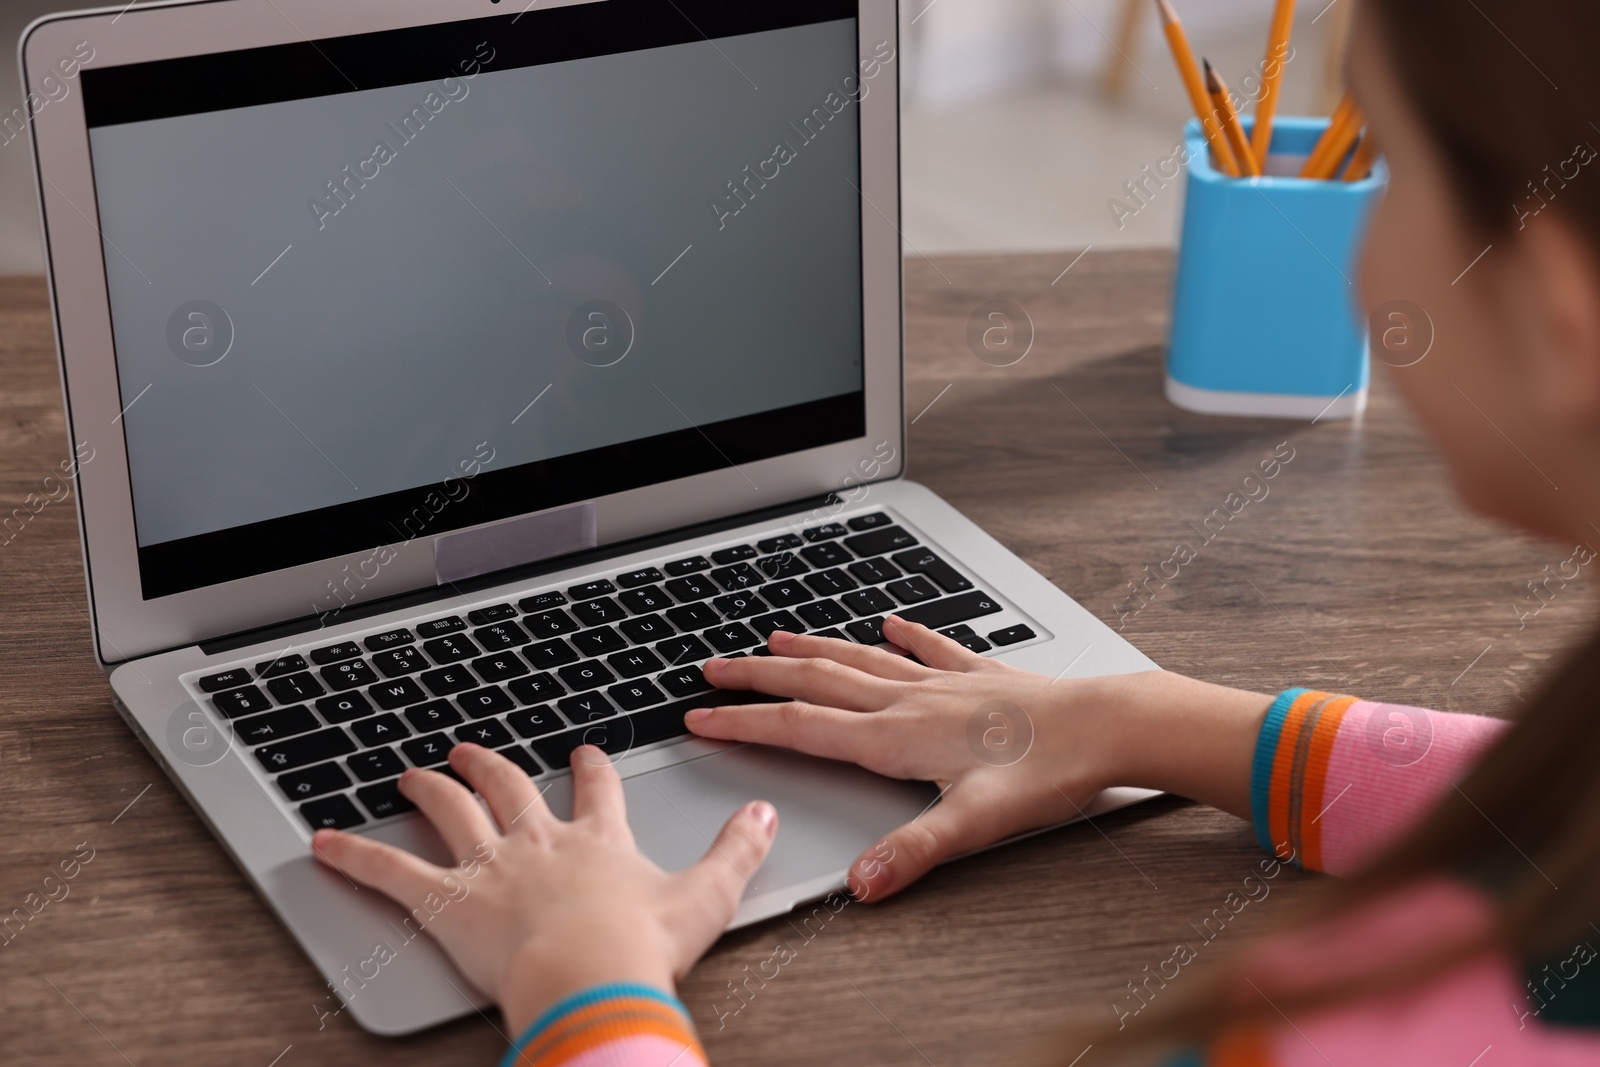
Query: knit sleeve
{"type": "Point", "coordinates": [622, 1025]}
{"type": "Point", "coordinates": [1335, 778]}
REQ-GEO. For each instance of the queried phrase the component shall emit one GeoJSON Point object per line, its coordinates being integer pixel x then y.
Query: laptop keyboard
{"type": "Point", "coordinates": [613, 662]}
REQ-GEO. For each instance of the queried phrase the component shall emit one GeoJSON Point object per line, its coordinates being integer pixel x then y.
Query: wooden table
{"type": "Point", "coordinates": [1358, 572]}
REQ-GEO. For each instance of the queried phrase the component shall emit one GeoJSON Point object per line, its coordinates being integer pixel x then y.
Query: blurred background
{"type": "Point", "coordinates": [1023, 118]}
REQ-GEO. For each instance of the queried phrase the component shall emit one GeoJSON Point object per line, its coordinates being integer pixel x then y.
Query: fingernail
{"type": "Point", "coordinates": [464, 746]}
{"type": "Point", "coordinates": [322, 837]}
{"type": "Point", "coordinates": [779, 637]}
{"type": "Point", "coordinates": [887, 619]}
{"type": "Point", "coordinates": [767, 816]}
{"type": "Point", "coordinates": [714, 664]}
{"type": "Point", "coordinates": [408, 774]}
{"type": "Point", "coordinates": [697, 714]}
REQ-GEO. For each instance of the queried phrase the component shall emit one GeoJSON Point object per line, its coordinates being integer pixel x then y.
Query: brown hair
{"type": "Point", "coordinates": [1505, 92]}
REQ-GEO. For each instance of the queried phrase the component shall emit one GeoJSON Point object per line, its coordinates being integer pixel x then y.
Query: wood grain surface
{"type": "Point", "coordinates": [1357, 572]}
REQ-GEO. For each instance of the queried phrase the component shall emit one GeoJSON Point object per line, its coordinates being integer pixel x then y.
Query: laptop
{"type": "Point", "coordinates": [440, 371]}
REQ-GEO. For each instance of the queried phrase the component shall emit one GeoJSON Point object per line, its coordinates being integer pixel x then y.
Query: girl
{"type": "Point", "coordinates": [1466, 931]}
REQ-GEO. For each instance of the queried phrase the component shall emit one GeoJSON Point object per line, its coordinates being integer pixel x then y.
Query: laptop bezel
{"type": "Point", "coordinates": [124, 624]}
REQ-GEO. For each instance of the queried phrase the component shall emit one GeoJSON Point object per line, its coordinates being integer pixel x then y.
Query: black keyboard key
{"type": "Point", "coordinates": [643, 601]}
{"type": "Point", "coordinates": [500, 667]}
{"type": "Point", "coordinates": [307, 748]}
{"type": "Point", "coordinates": [334, 653]}
{"type": "Point", "coordinates": [522, 758]}
{"type": "Point", "coordinates": [552, 623]}
{"type": "Point", "coordinates": [692, 588]}
{"type": "Point", "coordinates": [912, 590]}
{"type": "Point", "coordinates": [679, 567]}
{"type": "Point", "coordinates": [556, 750]}
{"type": "Point", "coordinates": [585, 707]}
{"type": "Point", "coordinates": [541, 602]}
{"type": "Point", "coordinates": [973, 643]}
{"type": "Point", "coordinates": [634, 662]}
{"type": "Point", "coordinates": [383, 800]}
{"type": "Point", "coordinates": [385, 641]}
{"type": "Point", "coordinates": [490, 700]}
{"type": "Point", "coordinates": [380, 730]}
{"type": "Point", "coordinates": [271, 725]}
{"type": "Point", "coordinates": [434, 715]}
{"type": "Point", "coordinates": [677, 650]}
{"type": "Point", "coordinates": [738, 576]}
{"type": "Point", "coordinates": [313, 781]}
{"type": "Point", "coordinates": [631, 696]}
{"type": "Point", "coordinates": [589, 590]}
{"type": "Point", "coordinates": [1012, 634]}
{"type": "Point", "coordinates": [778, 620]}
{"type": "Point", "coordinates": [868, 602]}
{"type": "Point", "coordinates": [779, 543]}
{"type": "Point", "coordinates": [783, 565]}
{"type": "Point", "coordinates": [536, 690]}
{"type": "Point", "coordinates": [814, 534]}
{"type": "Point", "coordinates": [823, 613]}
{"type": "Point", "coordinates": [645, 629]}
{"type": "Point", "coordinates": [867, 631]}
{"type": "Point", "coordinates": [547, 655]}
{"type": "Point", "coordinates": [960, 629]}
{"type": "Point", "coordinates": [830, 583]}
{"type": "Point", "coordinates": [379, 763]}
{"type": "Point", "coordinates": [634, 579]}
{"type": "Point", "coordinates": [874, 571]}
{"type": "Point", "coordinates": [400, 661]}
{"type": "Point", "coordinates": [599, 611]}
{"type": "Point", "coordinates": [662, 722]}
{"type": "Point", "coordinates": [213, 683]}
{"type": "Point", "coordinates": [581, 676]}
{"type": "Point", "coordinates": [439, 627]}
{"type": "Point", "coordinates": [536, 722]}
{"type": "Point", "coordinates": [447, 680]}
{"type": "Point", "coordinates": [348, 675]}
{"type": "Point", "coordinates": [869, 522]}
{"type": "Point", "coordinates": [685, 681]}
{"type": "Point", "coordinates": [488, 733]}
{"type": "Point", "coordinates": [287, 664]}
{"type": "Point", "coordinates": [951, 610]}
{"type": "Point", "coordinates": [786, 594]}
{"type": "Point", "coordinates": [693, 617]}
{"type": "Point", "coordinates": [492, 613]}
{"type": "Point", "coordinates": [501, 636]}
{"type": "Point", "coordinates": [599, 641]}
{"type": "Point", "coordinates": [733, 554]}
{"type": "Point", "coordinates": [428, 751]}
{"type": "Point", "coordinates": [827, 554]}
{"type": "Point", "coordinates": [242, 701]}
{"type": "Point", "coordinates": [732, 637]}
{"type": "Point", "coordinates": [331, 813]}
{"type": "Point", "coordinates": [397, 693]}
{"type": "Point", "coordinates": [739, 605]}
{"type": "Point", "coordinates": [293, 688]}
{"type": "Point", "coordinates": [343, 707]}
{"type": "Point", "coordinates": [452, 649]}
{"type": "Point", "coordinates": [922, 561]}
{"type": "Point", "coordinates": [877, 542]}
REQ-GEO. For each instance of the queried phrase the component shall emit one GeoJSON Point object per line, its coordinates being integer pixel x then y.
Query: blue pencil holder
{"type": "Point", "coordinates": [1265, 317]}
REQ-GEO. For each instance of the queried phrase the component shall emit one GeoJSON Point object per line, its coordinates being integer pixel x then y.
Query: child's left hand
{"type": "Point", "coordinates": [552, 907]}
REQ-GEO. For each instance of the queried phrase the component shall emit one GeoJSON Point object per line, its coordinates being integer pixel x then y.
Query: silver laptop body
{"type": "Point", "coordinates": [436, 371]}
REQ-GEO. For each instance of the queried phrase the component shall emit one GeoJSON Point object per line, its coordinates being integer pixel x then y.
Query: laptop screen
{"type": "Point", "coordinates": [372, 288]}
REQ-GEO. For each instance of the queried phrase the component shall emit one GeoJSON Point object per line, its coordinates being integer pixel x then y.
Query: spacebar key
{"type": "Point", "coordinates": [660, 723]}
{"type": "Point", "coordinates": [951, 610]}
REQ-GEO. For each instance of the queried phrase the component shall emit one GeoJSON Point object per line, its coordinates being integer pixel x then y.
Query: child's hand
{"type": "Point", "coordinates": [540, 908]}
{"type": "Point", "coordinates": [1013, 750]}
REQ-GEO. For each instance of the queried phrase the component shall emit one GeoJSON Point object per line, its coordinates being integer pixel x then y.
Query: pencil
{"type": "Point", "coordinates": [1339, 147]}
{"type": "Point", "coordinates": [1271, 77]}
{"type": "Point", "coordinates": [1366, 155]}
{"type": "Point", "coordinates": [1336, 122]}
{"type": "Point", "coordinates": [1223, 106]}
{"type": "Point", "coordinates": [1190, 73]}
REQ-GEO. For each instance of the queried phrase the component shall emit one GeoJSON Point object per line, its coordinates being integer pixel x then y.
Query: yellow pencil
{"type": "Point", "coordinates": [1366, 155]}
{"type": "Point", "coordinates": [1198, 97]}
{"type": "Point", "coordinates": [1336, 122]}
{"type": "Point", "coordinates": [1271, 78]}
{"type": "Point", "coordinates": [1222, 105]}
{"type": "Point", "coordinates": [1339, 147]}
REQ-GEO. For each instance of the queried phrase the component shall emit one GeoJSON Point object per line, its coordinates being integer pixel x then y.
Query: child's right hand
{"type": "Point", "coordinates": [1067, 739]}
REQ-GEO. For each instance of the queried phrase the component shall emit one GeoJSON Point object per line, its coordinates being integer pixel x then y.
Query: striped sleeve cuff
{"type": "Point", "coordinates": [1291, 770]}
{"type": "Point", "coordinates": [617, 1025]}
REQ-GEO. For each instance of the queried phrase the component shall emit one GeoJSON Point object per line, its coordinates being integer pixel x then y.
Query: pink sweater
{"type": "Point", "coordinates": [1335, 780]}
